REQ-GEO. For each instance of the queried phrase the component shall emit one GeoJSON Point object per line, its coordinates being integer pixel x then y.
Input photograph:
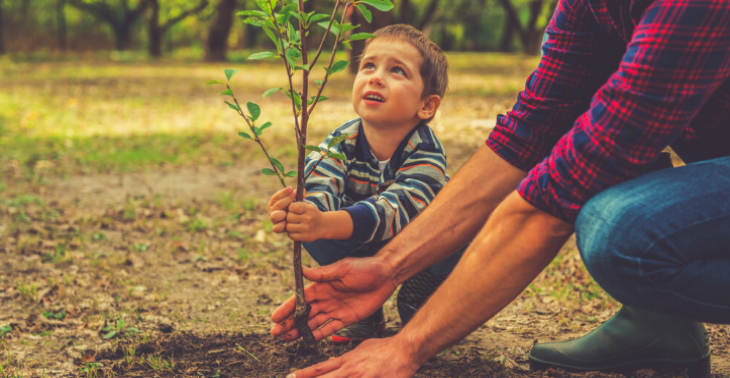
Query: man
{"type": "Point", "coordinates": [619, 81]}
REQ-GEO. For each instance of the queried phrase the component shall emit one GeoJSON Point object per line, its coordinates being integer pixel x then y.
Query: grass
{"type": "Point", "coordinates": [70, 117]}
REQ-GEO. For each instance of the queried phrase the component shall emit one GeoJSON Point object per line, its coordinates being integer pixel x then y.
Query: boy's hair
{"type": "Point", "coordinates": [434, 66]}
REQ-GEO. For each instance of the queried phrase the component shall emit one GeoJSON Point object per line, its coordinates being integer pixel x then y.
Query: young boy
{"type": "Point", "coordinates": [394, 167]}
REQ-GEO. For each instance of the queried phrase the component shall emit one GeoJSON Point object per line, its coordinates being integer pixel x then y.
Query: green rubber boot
{"type": "Point", "coordinates": [632, 339]}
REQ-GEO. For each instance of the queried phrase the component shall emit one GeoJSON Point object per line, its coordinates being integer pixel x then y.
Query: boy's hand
{"type": "Point", "coordinates": [278, 207]}
{"type": "Point", "coordinates": [304, 222]}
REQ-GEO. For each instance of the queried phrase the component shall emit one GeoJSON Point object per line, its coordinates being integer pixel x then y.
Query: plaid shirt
{"type": "Point", "coordinates": [618, 82]}
{"type": "Point", "coordinates": [380, 203]}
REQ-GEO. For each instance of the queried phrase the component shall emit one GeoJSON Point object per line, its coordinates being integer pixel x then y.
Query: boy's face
{"type": "Point", "coordinates": [388, 86]}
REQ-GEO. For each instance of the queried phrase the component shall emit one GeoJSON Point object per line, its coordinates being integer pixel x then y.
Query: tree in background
{"type": "Point", "coordinates": [117, 13]}
{"type": "Point", "coordinates": [530, 35]}
{"type": "Point", "coordinates": [2, 46]}
{"type": "Point", "coordinates": [176, 11]}
{"type": "Point", "coordinates": [217, 42]}
{"type": "Point", "coordinates": [61, 23]}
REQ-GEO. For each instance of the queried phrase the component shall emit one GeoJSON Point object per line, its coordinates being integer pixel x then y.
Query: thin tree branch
{"type": "Point", "coordinates": [185, 14]}
{"type": "Point", "coordinates": [279, 174]}
{"type": "Point", "coordinates": [326, 31]}
{"type": "Point", "coordinates": [315, 166]}
{"type": "Point", "coordinates": [332, 59]}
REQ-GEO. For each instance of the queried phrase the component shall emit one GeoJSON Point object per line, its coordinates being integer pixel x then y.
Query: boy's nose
{"type": "Point", "coordinates": [376, 80]}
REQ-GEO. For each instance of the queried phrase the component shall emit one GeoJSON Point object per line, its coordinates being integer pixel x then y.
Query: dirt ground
{"type": "Point", "coordinates": [173, 273]}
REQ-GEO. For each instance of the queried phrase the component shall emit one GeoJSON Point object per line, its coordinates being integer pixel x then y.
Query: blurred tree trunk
{"type": "Point", "coordinates": [217, 42]}
{"type": "Point", "coordinates": [380, 19]}
{"type": "Point", "coordinates": [156, 30]}
{"type": "Point", "coordinates": [2, 45]}
{"type": "Point", "coordinates": [508, 36]}
{"type": "Point", "coordinates": [406, 12]}
{"type": "Point", "coordinates": [61, 20]}
{"type": "Point", "coordinates": [121, 23]}
{"type": "Point", "coordinates": [429, 15]}
{"type": "Point", "coordinates": [530, 35]}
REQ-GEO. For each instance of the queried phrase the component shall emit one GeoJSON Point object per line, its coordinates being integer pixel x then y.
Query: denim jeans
{"type": "Point", "coordinates": [326, 252]}
{"type": "Point", "coordinates": [662, 241]}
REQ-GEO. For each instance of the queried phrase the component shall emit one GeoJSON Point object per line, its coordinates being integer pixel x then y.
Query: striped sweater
{"type": "Point", "coordinates": [380, 203]}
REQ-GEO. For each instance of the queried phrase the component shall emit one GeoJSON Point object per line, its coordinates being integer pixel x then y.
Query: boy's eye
{"type": "Point", "coordinates": [399, 70]}
{"type": "Point", "coordinates": [368, 66]}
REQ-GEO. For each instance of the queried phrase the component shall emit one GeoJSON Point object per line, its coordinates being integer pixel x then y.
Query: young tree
{"type": "Point", "coordinates": [220, 28]}
{"type": "Point", "coordinates": [118, 14]}
{"type": "Point", "coordinates": [176, 11]}
{"type": "Point", "coordinates": [279, 22]}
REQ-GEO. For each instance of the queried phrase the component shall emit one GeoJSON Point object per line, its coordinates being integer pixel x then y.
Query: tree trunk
{"type": "Point", "coordinates": [428, 16]}
{"type": "Point", "coordinates": [2, 46]}
{"type": "Point", "coordinates": [406, 12]}
{"type": "Point", "coordinates": [122, 34]}
{"type": "Point", "coordinates": [154, 31]}
{"type": "Point", "coordinates": [380, 19]}
{"type": "Point", "coordinates": [61, 21]}
{"type": "Point", "coordinates": [508, 35]}
{"type": "Point", "coordinates": [532, 37]}
{"type": "Point", "coordinates": [219, 30]}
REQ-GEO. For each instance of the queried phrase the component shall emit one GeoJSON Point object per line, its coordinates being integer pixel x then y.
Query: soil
{"type": "Point", "coordinates": [185, 259]}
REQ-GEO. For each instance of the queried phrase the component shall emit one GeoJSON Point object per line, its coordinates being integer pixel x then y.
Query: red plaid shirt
{"type": "Point", "coordinates": [618, 82]}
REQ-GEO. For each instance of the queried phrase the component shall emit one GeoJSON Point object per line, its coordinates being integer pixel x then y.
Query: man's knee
{"type": "Point", "coordinates": [608, 233]}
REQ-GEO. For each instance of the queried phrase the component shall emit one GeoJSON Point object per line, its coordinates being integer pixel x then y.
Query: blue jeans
{"type": "Point", "coordinates": [662, 241]}
{"type": "Point", "coordinates": [326, 252]}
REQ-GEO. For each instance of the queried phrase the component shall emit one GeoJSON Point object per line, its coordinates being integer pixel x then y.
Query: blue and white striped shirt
{"type": "Point", "coordinates": [380, 203]}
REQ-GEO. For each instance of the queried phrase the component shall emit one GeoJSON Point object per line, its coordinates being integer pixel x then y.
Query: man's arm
{"type": "Point", "coordinates": [517, 242]}
{"type": "Point", "coordinates": [353, 289]}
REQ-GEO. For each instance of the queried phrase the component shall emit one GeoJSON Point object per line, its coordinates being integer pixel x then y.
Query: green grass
{"type": "Point", "coordinates": [87, 114]}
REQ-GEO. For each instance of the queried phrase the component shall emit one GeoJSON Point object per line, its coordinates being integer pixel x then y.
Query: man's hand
{"type": "Point", "coordinates": [345, 292]}
{"type": "Point", "coordinates": [382, 357]}
{"type": "Point", "coordinates": [278, 208]}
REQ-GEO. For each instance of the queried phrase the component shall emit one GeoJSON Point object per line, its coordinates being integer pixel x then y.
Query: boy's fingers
{"type": "Point", "coordinates": [279, 227]}
{"type": "Point", "coordinates": [277, 216]}
{"type": "Point", "coordinates": [279, 195]}
{"type": "Point", "coordinates": [300, 207]}
{"type": "Point", "coordinates": [283, 203]}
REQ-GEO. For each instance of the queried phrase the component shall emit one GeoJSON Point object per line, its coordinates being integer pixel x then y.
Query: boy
{"type": "Point", "coordinates": [394, 167]}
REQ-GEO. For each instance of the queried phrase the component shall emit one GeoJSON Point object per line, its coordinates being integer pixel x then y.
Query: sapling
{"type": "Point", "coordinates": [277, 19]}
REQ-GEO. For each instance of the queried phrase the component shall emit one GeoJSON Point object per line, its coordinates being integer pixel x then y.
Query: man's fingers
{"type": "Point", "coordinates": [324, 273]}
{"type": "Point", "coordinates": [317, 370]}
{"type": "Point", "coordinates": [328, 329]}
{"type": "Point", "coordinates": [284, 311]}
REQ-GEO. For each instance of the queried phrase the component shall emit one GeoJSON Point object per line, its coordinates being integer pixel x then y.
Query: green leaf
{"type": "Point", "coordinates": [260, 130]}
{"type": "Point", "coordinates": [292, 173]}
{"type": "Point", "coordinates": [110, 335]}
{"type": "Point", "coordinates": [339, 66]}
{"type": "Point", "coordinates": [268, 172]}
{"type": "Point", "coordinates": [271, 91]}
{"type": "Point", "coordinates": [214, 82]}
{"type": "Point", "coordinates": [297, 99]}
{"type": "Point", "coordinates": [293, 53]}
{"type": "Point", "coordinates": [5, 329]}
{"type": "Point", "coordinates": [347, 27]}
{"type": "Point", "coordinates": [227, 92]}
{"type": "Point", "coordinates": [323, 98]}
{"type": "Point", "coordinates": [230, 72]}
{"type": "Point", "coordinates": [277, 164]}
{"type": "Point", "coordinates": [317, 17]}
{"type": "Point", "coordinates": [381, 5]}
{"type": "Point", "coordinates": [250, 13]}
{"type": "Point", "coordinates": [261, 55]}
{"type": "Point", "coordinates": [312, 148]}
{"type": "Point", "coordinates": [365, 12]}
{"type": "Point", "coordinates": [241, 133]}
{"type": "Point", "coordinates": [337, 156]}
{"type": "Point", "coordinates": [336, 140]}
{"type": "Point", "coordinates": [304, 67]}
{"type": "Point", "coordinates": [254, 109]}
{"type": "Point", "coordinates": [346, 44]}
{"type": "Point", "coordinates": [318, 82]}
{"type": "Point", "coordinates": [272, 36]}
{"type": "Point", "coordinates": [265, 6]}
{"type": "Point", "coordinates": [233, 106]}
{"type": "Point", "coordinates": [334, 29]}
{"type": "Point", "coordinates": [359, 36]}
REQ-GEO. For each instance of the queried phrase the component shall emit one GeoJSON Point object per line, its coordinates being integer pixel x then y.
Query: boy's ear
{"type": "Point", "coordinates": [430, 106]}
